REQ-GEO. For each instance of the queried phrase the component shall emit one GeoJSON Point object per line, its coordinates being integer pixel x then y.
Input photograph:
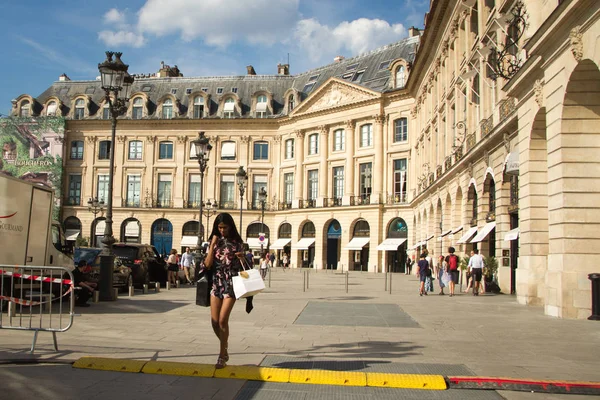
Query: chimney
{"type": "Point", "coordinates": [283, 69]}
{"type": "Point", "coordinates": [250, 70]}
{"type": "Point", "coordinates": [412, 32]}
{"type": "Point", "coordinates": [166, 71]}
{"type": "Point", "coordinates": [338, 59]}
{"type": "Point", "coordinates": [64, 78]}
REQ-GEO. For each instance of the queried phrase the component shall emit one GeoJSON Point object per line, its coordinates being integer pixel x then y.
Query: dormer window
{"type": "Point", "coordinates": [167, 109]}
{"type": "Point", "coordinates": [291, 103]}
{"type": "Point", "coordinates": [198, 107]}
{"type": "Point", "coordinates": [228, 108]}
{"type": "Point", "coordinates": [105, 112]}
{"type": "Point", "coordinates": [261, 106]}
{"type": "Point", "coordinates": [25, 110]}
{"type": "Point", "coordinates": [79, 109]}
{"type": "Point", "coordinates": [51, 109]}
{"type": "Point", "coordinates": [400, 77]}
{"type": "Point", "coordinates": [138, 108]}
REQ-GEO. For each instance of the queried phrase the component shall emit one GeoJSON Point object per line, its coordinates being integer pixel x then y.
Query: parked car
{"type": "Point", "coordinates": [144, 260]}
{"type": "Point", "coordinates": [122, 276]}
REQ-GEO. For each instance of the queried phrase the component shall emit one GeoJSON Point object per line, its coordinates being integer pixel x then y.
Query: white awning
{"type": "Point", "coordinates": [132, 229]}
{"type": "Point", "coordinates": [304, 243]}
{"type": "Point", "coordinates": [487, 228]}
{"type": "Point", "coordinates": [280, 244]}
{"type": "Point", "coordinates": [390, 244]}
{"type": "Point", "coordinates": [460, 228]}
{"type": "Point", "coordinates": [228, 106]}
{"type": "Point", "coordinates": [428, 238]}
{"type": "Point", "coordinates": [72, 234]}
{"type": "Point", "coordinates": [254, 243]}
{"type": "Point", "coordinates": [228, 149]}
{"type": "Point", "coordinates": [511, 235]}
{"type": "Point", "coordinates": [465, 238]}
{"type": "Point", "coordinates": [511, 164]}
{"type": "Point", "coordinates": [189, 241]}
{"type": "Point", "coordinates": [100, 226]}
{"type": "Point", "coordinates": [445, 233]}
{"type": "Point", "coordinates": [261, 106]}
{"type": "Point", "coordinates": [418, 244]}
{"type": "Point", "coordinates": [357, 243]}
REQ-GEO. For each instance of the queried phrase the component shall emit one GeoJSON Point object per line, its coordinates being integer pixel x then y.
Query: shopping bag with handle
{"type": "Point", "coordinates": [248, 282]}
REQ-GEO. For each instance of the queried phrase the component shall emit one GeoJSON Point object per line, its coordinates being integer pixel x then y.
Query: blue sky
{"type": "Point", "coordinates": [44, 39]}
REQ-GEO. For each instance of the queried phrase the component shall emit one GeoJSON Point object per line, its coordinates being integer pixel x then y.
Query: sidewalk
{"type": "Point", "coordinates": [488, 335]}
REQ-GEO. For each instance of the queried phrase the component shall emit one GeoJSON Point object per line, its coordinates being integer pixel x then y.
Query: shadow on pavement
{"type": "Point", "coordinates": [374, 349]}
{"type": "Point", "coordinates": [128, 306]}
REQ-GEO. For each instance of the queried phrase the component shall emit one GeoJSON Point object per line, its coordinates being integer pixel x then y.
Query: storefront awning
{"type": "Point", "coordinates": [100, 227]}
{"type": "Point", "coordinates": [455, 230]}
{"type": "Point", "coordinates": [428, 238]}
{"type": "Point", "coordinates": [511, 164]}
{"type": "Point", "coordinates": [357, 243]}
{"type": "Point", "coordinates": [512, 235]}
{"type": "Point", "coordinates": [72, 234]}
{"type": "Point", "coordinates": [280, 244]}
{"type": "Point", "coordinates": [465, 238]}
{"type": "Point", "coordinates": [304, 243]}
{"type": "Point", "coordinates": [418, 244]}
{"type": "Point", "coordinates": [189, 241]}
{"type": "Point", "coordinates": [254, 243]}
{"type": "Point", "coordinates": [390, 244]}
{"type": "Point", "coordinates": [487, 228]}
{"type": "Point", "coordinates": [445, 233]}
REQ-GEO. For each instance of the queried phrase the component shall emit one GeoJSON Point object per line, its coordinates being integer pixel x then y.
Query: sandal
{"type": "Point", "coordinates": [221, 363]}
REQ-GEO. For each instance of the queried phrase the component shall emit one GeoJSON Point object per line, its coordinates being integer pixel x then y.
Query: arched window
{"type": "Point", "coordinates": [51, 109]}
{"type": "Point", "coordinates": [400, 77]}
{"type": "Point", "coordinates": [167, 109]}
{"type": "Point", "coordinates": [79, 109]}
{"type": "Point", "coordinates": [308, 230]}
{"type": "Point", "coordinates": [362, 229]}
{"type": "Point", "coordinates": [285, 231]}
{"type": "Point", "coordinates": [229, 108]}
{"type": "Point", "coordinates": [25, 109]}
{"type": "Point", "coordinates": [398, 229]}
{"type": "Point", "coordinates": [138, 108]}
{"type": "Point", "coordinates": [261, 106]}
{"type": "Point", "coordinates": [198, 107]}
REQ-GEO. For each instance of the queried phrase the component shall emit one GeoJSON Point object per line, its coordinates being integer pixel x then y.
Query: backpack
{"type": "Point", "coordinates": [453, 262]}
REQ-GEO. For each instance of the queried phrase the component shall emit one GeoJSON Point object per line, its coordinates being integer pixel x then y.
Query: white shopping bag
{"type": "Point", "coordinates": [248, 283]}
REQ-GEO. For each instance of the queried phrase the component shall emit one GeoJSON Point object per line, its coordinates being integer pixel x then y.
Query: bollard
{"type": "Point", "coordinates": [116, 293]}
{"type": "Point", "coordinates": [307, 277]}
{"type": "Point", "coordinates": [131, 291]}
{"type": "Point", "coordinates": [390, 283]}
{"type": "Point", "coordinates": [304, 281]}
{"type": "Point", "coordinates": [168, 285]}
{"type": "Point", "coordinates": [595, 278]}
{"type": "Point", "coordinates": [385, 284]}
{"type": "Point", "coordinates": [96, 296]}
{"type": "Point", "coordinates": [12, 308]}
{"type": "Point", "coordinates": [270, 277]}
{"type": "Point", "coordinates": [145, 288]}
{"type": "Point", "coordinates": [347, 273]}
{"type": "Point", "coordinates": [157, 286]}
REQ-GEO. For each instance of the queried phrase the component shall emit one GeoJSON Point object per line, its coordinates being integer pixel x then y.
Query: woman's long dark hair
{"type": "Point", "coordinates": [227, 219]}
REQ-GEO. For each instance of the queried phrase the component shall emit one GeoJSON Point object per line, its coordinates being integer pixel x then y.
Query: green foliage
{"type": "Point", "coordinates": [82, 241]}
{"type": "Point", "coordinates": [463, 262]}
{"type": "Point", "coordinates": [490, 267]}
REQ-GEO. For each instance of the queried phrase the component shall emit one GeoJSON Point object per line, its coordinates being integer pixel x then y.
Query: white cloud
{"type": "Point", "coordinates": [119, 38]}
{"type": "Point", "coordinates": [220, 23]}
{"type": "Point", "coordinates": [323, 43]}
{"type": "Point", "coordinates": [114, 16]}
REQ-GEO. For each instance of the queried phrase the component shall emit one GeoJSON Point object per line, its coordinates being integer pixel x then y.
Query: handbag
{"type": "Point", "coordinates": [203, 287]}
{"type": "Point", "coordinates": [247, 283]}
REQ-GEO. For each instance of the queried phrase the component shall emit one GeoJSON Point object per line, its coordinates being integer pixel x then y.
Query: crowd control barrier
{"type": "Point", "coordinates": [38, 299]}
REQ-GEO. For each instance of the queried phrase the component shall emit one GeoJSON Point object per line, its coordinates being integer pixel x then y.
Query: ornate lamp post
{"type": "Point", "coordinates": [203, 149]}
{"type": "Point", "coordinates": [242, 180]}
{"type": "Point", "coordinates": [262, 197]}
{"type": "Point", "coordinates": [209, 211]}
{"type": "Point", "coordinates": [116, 83]}
{"type": "Point", "coordinates": [95, 206]}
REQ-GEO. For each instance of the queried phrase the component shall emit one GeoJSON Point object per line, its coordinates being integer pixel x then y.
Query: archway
{"type": "Point", "coordinates": [396, 257]}
{"type": "Point", "coordinates": [359, 246]}
{"type": "Point", "coordinates": [98, 228]}
{"type": "Point", "coordinates": [283, 243]}
{"type": "Point", "coordinates": [306, 245]}
{"type": "Point", "coordinates": [72, 228]}
{"type": "Point", "coordinates": [131, 231]}
{"type": "Point", "coordinates": [189, 235]}
{"type": "Point", "coordinates": [162, 236]}
{"type": "Point", "coordinates": [334, 237]}
{"type": "Point", "coordinates": [253, 237]}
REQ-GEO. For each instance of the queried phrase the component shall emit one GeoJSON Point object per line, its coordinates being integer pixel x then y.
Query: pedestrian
{"type": "Point", "coordinates": [264, 266]}
{"type": "Point", "coordinates": [224, 257]}
{"type": "Point", "coordinates": [429, 279]}
{"type": "Point", "coordinates": [187, 261]}
{"type": "Point", "coordinates": [172, 267]}
{"type": "Point", "coordinates": [452, 268]}
{"type": "Point", "coordinates": [440, 270]}
{"type": "Point", "coordinates": [422, 270]}
{"type": "Point", "coordinates": [286, 261]}
{"type": "Point", "coordinates": [476, 267]}
{"type": "Point", "coordinates": [272, 260]}
{"type": "Point", "coordinates": [86, 287]}
{"type": "Point", "coordinates": [409, 264]}
{"type": "Point", "coordinates": [250, 258]}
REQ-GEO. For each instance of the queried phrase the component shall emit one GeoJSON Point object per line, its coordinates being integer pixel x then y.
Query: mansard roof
{"type": "Point", "coordinates": [376, 76]}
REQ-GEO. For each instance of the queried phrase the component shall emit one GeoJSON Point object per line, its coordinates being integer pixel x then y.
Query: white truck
{"type": "Point", "coordinates": [27, 233]}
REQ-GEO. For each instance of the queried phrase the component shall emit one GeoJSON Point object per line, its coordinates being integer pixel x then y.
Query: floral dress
{"type": "Point", "coordinates": [225, 266]}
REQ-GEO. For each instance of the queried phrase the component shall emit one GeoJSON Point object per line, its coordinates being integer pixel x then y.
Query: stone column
{"type": "Point", "coordinates": [88, 173]}
{"type": "Point", "coordinates": [324, 172]}
{"type": "Point", "coordinates": [377, 174]}
{"type": "Point", "coordinates": [275, 178]}
{"type": "Point", "coordinates": [244, 158]}
{"type": "Point", "coordinates": [299, 173]}
{"type": "Point", "coordinates": [349, 168]}
{"type": "Point", "coordinates": [147, 179]}
{"type": "Point", "coordinates": [119, 149]}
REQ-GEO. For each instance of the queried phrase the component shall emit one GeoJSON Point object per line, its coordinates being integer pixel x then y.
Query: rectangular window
{"type": "Point", "coordinates": [105, 113]}
{"type": "Point", "coordinates": [366, 171]}
{"type": "Point", "coordinates": [400, 181]}
{"type": "Point", "coordinates": [74, 190]}
{"type": "Point", "coordinates": [164, 190]}
{"type": "Point", "coordinates": [366, 135]}
{"type": "Point", "coordinates": [288, 182]}
{"type": "Point", "coordinates": [135, 150]}
{"type": "Point", "coordinates": [401, 130]}
{"type": "Point", "coordinates": [134, 190]}
{"type": "Point", "coordinates": [77, 150]}
{"type": "Point", "coordinates": [220, 90]}
{"type": "Point", "coordinates": [102, 189]}
{"type": "Point", "coordinates": [260, 181]}
{"type": "Point", "coordinates": [313, 144]}
{"type": "Point", "coordinates": [228, 151]}
{"type": "Point", "coordinates": [227, 192]}
{"type": "Point", "coordinates": [79, 112]}
{"type": "Point", "coordinates": [165, 151]}
{"type": "Point", "coordinates": [194, 192]}
{"type": "Point", "coordinates": [313, 184]}
{"type": "Point", "coordinates": [261, 151]}
{"type": "Point", "coordinates": [338, 182]}
{"type": "Point", "coordinates": [136, 112]}
{"type": "Point", "coordinates": [289, 149]}
{"type": "Point", "coordinates": [339, 140]}
{"type": "Point", "coordinates": [104, 150]}
{"type": "Point", "coordinates": [198, 111]}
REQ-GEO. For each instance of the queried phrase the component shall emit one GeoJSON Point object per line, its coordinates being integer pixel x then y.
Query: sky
{"type": "Point", "coordinates": [44, 39]}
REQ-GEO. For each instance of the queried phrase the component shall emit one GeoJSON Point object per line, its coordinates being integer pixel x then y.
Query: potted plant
{"type": "Point", "coordinates": [490, 272]}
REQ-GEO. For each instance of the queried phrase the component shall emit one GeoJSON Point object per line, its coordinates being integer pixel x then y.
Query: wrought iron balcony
{"type": "Point", "coordinates": [360, 200]}
{"type": "Point", "coordinates": [431, 178]}
{"type": "Point", "coordinates": [308, 203]}
{"type": "Point", "coordinates": [487, 125]}
{"type": "Point", "coordinates": [72, 201]}
{"type": "Point", "coordinates": [131, 203]}
{"type": "Point", "coordinates": [473, 221]}
{"type": "Point", "coordinates": [227, 205]}
{"type": "Point", "coordinates": [284, 206]}
{"type": "Point", "coordinates": [191, 204]}
{"type": "Point", "coordinates": [438, 171]}
{"type": "Point", "coordinates": [162, 203]}
{"type": "Point", "coordinates": [470, 141]}
{"type": "Point", "coordinates": [332, 202]}
{"type": "Point", "coordinates": [396, 198]}
{"type": "Point", "coordinates": [447, 163]}
{"type": "Point", "coordinates": [489, 217]}
{"type": "Point", "coordinates": [458, 153]}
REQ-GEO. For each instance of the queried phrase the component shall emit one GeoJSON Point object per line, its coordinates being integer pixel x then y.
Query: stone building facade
{"type": "Point", "coordinates": [479, 133]}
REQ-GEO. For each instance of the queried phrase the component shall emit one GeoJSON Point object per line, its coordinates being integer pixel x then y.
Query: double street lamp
{"type": "Point", "coordinates": [203, 148]}
{"type": "Point", "coordinates": [262, 198]}
{"type": "Point", "coordinates": [95, 206]}
{"type": "Point", "coordinates": [116, 83]}
{"type": "Point", "coordinates": [242, 181]}
{"type": "Point", "coordinates": [209, 211]}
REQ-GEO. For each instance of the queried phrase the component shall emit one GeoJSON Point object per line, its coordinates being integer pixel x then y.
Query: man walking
{"type": "Point", "coordinates": [187, 261]}
{"type": "Point", "coordinates": [476, 268]}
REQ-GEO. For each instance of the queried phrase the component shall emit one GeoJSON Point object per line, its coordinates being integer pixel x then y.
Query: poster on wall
{"type": "Point", "coordinates": [32, 150]}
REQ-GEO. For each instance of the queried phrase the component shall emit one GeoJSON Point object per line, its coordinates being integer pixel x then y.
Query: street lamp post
{"type": "Point", "coordinates": [116, 83]}
{"type": "Point", "coordinates": [203, 148]}
{"type": "Point", "coordinates": [95, 206]}
{"type": "Point", "coordinates": [242, 179]}
{"type": "Point", "coordinates": [262, 197]}
{"type": "Point", "coordinates": [209, 211]}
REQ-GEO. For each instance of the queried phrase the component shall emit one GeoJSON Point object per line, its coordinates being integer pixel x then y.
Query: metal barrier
{"type": "Point", "coordinates": [26, 299]}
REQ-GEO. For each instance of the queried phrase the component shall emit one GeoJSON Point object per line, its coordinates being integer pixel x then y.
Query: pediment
{"type": "Point", "coordinates": [335, 93]}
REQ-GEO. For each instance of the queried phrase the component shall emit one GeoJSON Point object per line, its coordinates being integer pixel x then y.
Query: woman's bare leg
{"type": "Point", "coordinates": [224, 314]}
{"type": "Point", "coordinates": [215, 310]}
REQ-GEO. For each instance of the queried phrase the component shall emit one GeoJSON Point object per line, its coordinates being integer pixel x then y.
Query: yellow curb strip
{"type": "Point", "coordinates": [267, 374]}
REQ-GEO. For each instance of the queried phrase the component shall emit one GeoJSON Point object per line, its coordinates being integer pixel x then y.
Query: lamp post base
{"type": "Point", "coordinates": [107, 263]}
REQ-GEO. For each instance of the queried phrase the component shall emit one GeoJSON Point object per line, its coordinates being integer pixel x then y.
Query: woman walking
{"type": "Point", "coordinates": [172, 267]}
{"type": "Point", "coordinates": [224, 258]}
{"type": "Point", "coordinates": [441, 268]}
{"type": "Point", "coordinates": [422, 270]}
